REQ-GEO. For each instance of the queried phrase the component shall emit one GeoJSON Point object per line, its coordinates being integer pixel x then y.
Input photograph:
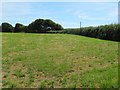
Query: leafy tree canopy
{"type": "Point", "coordinates": [41, 25]}
{"type": "Point", "coordinates": [6, 27]}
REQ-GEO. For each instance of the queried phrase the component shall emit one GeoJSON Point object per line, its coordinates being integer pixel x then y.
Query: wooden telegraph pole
{"type": "Point", "coordinates": [80, 25]}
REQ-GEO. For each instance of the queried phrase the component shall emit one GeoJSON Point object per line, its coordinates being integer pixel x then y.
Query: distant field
{"type": "Point", "coordinates": [59, 61]}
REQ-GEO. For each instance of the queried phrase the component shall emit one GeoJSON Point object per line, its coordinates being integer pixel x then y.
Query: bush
{"type": "Point", "coordinates": [20, 28]}
{"type": "Point", "coordinates": [42, 26]}
{"type": "Point", "coordinates": [107, 32]}
{"type": "Point", "coordinates": [6, 27]}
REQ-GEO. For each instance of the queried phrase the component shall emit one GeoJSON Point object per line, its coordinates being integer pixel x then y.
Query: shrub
{"type": "Point", "coordinates": [6, 27]}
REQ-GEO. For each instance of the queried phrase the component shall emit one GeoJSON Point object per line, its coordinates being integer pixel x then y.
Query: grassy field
{"type": "Point", "coordinates": [59, 61]}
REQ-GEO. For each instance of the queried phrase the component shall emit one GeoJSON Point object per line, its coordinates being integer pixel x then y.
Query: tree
{"type": "Point", "coordinates": [24, 29]}
{"type": "Point", "coordinates": [36, 26]}
{"type": "Point", "coordinates": [58, 27]}
{"type": "Point", "coordinates": [6, 27]}
{"type": "Point", "coordinates": [0, 28]}
{"type": "Point", "coordinates": [18, 27]}
{"type": "Point", "coordinates": [41, 25]}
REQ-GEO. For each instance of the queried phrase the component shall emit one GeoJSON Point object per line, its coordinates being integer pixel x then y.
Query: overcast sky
{"type": "Point", "coordinates": [68, 14]}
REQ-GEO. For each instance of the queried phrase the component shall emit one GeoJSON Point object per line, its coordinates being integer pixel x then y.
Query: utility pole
{"type": "Point", "coordinates": [80, 25]}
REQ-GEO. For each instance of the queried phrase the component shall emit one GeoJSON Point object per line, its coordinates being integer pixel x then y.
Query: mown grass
{"type": "Point", "coordinates": [58, 60]}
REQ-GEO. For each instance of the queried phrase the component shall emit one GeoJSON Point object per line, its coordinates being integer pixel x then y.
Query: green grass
{"type": "Point", "coordinates": [58, 60]}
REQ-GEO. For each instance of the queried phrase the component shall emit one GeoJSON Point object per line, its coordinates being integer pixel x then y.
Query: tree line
{"type": "Point", "coordinates": [37, 26]}
{"type": "Point", "coordinates": [106, 32]}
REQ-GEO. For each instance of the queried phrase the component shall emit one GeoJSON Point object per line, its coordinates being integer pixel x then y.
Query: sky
{"type": "Point", "coordinates": [68, 14]}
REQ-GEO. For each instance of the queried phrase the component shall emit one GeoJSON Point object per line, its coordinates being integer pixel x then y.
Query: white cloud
{"type": "Point", "coordinates": [105, 14]}
{"type": "Point", "coordinates": [22, 9]}
{"type": "Point", "coordinates": [86, 17]}
{"type": "Point", "coordinates": [13, 9]}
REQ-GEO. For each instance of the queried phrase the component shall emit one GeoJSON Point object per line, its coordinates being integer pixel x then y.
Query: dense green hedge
{"type": "Point", "coordinates": [107, 32]}
{"type": "Point", "coordinates": [37, 26]}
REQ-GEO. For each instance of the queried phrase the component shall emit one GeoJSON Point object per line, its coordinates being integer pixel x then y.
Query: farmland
{"type": "Point", "coordinates": [59, 61]}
